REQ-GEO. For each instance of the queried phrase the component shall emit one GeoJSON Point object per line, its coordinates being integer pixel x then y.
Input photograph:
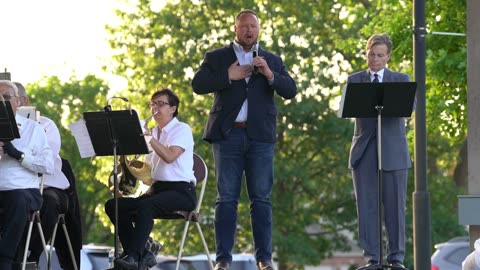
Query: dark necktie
{"type": "Point", "coordinates": [375, 80]}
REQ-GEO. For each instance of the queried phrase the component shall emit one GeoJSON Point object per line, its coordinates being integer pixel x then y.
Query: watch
{"type": "Point", "coordinates": [21, 158]}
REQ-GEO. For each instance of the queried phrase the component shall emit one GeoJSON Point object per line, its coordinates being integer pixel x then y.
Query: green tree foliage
{"type": "Point", "coordinates": [445, 100]}
{"type": "Point", "coordinates": [445, 71]}
{"type": "Point", "coordinates": [312, 183]}
{"type": "Point", "coordinates": [320, 42]}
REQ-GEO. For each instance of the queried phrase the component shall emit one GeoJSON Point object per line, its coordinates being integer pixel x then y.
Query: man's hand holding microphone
{"type": "Point", "coordinates": [260, 65]}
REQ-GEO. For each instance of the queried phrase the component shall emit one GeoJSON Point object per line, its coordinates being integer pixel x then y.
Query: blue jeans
{"type": "Point", "coordinates": [234, 155]}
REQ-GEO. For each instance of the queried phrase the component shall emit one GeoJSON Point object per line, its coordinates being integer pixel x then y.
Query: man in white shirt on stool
{"type": "Point", "coordinates": [55, 196]}
{"type": "Point", "coordinates": [21, 162]}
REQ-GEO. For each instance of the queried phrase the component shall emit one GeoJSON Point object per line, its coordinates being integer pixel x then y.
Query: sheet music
{"type": "Point", "coordinates": [84, 142]}
{"type": "Point", "coordinates": [29, 112]}
{"type": "Point", "coordinates": [342, 101]}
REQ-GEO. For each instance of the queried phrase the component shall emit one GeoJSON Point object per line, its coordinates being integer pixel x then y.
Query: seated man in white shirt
{"type": "Point", "coordinates": [173, 185]}
{"type": "Point", "coordinates": [21, 161]}
{"type": "Point", "coordinates": [55, 196]}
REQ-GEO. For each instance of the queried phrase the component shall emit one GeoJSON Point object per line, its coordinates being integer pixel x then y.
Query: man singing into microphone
{"type": "Point", "coordinates": [242, 129]}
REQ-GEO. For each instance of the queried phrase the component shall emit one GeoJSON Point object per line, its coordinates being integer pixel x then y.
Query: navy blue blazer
{"type": "Point", "coordinates": [212, 77]}
{"type": "Point", "coordinates": [395, 153]}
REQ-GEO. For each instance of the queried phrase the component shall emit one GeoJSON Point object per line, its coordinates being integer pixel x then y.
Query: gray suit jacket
{"type": "Point", "coordinates": [395, 154]}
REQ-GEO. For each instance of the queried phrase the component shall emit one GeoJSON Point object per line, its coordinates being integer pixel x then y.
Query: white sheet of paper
{"type": "Point", "coordinates": [342, 101]}
{"type": "Point", "coordinates": [84, 142]}
{"type": "Point", "coordinates": [28, 112]}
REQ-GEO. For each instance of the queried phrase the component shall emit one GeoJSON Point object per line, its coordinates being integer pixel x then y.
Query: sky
{"type": "Point", "coordinates": [55, 37]}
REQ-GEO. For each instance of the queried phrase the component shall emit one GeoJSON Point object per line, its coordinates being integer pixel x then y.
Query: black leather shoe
{"type": "Point", "coordinates": [222, 265]}
{"type": "Point", "coordinates": [396, 263]}
{"type": "Point", "coordinates": [127, 262]}
{"type": "Point", "coordinates": [265, 265]}
{"type": "Point", "coordinates": [370, 265]}
{"type": "Point", "coordinates": [153, 246]}
{"type": "Point", "coordinates": [149, 259]}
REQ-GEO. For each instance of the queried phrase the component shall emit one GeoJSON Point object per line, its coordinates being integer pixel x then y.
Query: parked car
{"type": "Point", "coordinates": [167, 262]}
{"type": "Point", "coordinates": [450, 255]}
{"type": "Point", "coordinates": [95, 257]}
{"type": "Point", "coordinates": [92, 257]}
{"type": "Point", "coordinates": [240, 261]}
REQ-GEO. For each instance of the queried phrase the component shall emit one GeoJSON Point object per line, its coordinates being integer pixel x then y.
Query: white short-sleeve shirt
{"type": "Point", "coordinates": [175, 133]}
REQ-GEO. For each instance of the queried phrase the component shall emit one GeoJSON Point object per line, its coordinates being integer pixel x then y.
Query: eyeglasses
{"type": "Point", "coordinates": [158, 104]}
{"type": "Point", "coordinates": [7, 97]}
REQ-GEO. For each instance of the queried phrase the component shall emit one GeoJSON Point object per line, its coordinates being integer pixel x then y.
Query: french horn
{"type": "Point", "coordinates": [127, 182]}
{"type": "Point", "coordinates": [141, 170]}
{"type": "Point", "coordinates": [129, 172]}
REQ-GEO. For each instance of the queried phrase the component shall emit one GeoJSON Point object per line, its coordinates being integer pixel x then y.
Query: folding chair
{"type": "Point", "coordinates": [68, 172]}
{"type": "Point", "coordinates": [34, 218]}
{"type": "Point", "coordinates": [61, 221]}
{"type": "Point", "coordinates": [201, 173]}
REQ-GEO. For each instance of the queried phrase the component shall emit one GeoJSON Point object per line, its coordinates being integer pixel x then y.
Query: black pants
{"type": "Point", "coordinates": [163, 197]}
{"type": "Point", "coordinates": [55, 202]}
{"type": "Point", "coordinates": [17, 206]}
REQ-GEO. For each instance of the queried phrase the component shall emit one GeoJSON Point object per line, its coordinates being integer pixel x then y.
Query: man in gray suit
{"type": "Point", "coordinates": [395, 163]}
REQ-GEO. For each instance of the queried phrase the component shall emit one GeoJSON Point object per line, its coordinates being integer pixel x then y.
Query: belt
{"type": "Point", "coordinates": [240, 124]}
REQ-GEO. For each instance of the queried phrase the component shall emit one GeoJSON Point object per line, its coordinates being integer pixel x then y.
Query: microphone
{"type": "Point", "coordinates": [254, 54]}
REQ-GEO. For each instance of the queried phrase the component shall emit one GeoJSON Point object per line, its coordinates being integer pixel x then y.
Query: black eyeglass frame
{"type": "Point", "coordinates": [158, 104]}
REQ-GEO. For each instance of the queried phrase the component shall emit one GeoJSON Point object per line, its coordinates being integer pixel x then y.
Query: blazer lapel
{"type": "Point", "coordinates": [365, 76]}
{"type": "Point", "coordinates": [232, 57]}
{"type": "Point", "coordinates": [387, 75]}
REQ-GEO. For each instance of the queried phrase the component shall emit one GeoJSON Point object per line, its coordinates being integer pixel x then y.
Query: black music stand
{"type": "Point", "coordinates": [115, 133]}
{"type": "Point", "coordinates": [8, 124]}
{"type": "Point", "coordinates": [370, 100]}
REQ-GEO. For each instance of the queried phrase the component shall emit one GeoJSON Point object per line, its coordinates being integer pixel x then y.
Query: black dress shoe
{"type": "Point", "coordinates": [148, 260]}
{"type": "Point", "coordinates": [222, 265]}
{"type": "Point", "coordinates": [370, 265]}
{"type": "Point", "coordinates": [396, 263]}
{"type": "Point", "coordinates": [127, 262]}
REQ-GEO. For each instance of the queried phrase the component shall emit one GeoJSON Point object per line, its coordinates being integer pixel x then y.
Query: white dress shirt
{"type": "Point", "coordinates": [37, 157]}
{"type": "Point", "coordinates": [379, 73]}
{"type": "Point", "coordinates": [175, 133]}
{"type": "Point", "coordinates": [57, 179]}
{"type": "Point", "coordinates": [244, 58]}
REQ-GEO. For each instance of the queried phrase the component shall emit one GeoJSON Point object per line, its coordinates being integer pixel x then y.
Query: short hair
{"type": "Point", "coordinates": [21, 90]}
{"type": "Point", "coordinates": [246, 11]}
{"type": "Point", "coordinates": [11, 85]}
{"type": "Point", "coordinates": [380, 39]}
{"type": "Point", "coordinates": [173, 99]}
